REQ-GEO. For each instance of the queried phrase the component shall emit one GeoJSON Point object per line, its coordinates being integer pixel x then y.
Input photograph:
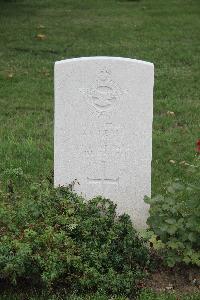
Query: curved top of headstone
{"type": "Point", "coordinates": [111, 58]}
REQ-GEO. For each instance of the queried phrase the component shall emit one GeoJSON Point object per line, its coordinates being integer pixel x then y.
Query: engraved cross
{"type": "Point", "coordinates": [103, 180]}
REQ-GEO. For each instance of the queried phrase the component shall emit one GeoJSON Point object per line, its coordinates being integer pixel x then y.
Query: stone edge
{"type": "Point", "coordinates": [90, 58]}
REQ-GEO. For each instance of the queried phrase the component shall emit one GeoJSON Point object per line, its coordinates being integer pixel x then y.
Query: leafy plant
{"type": "Point", "coordinates": [175, 220]}
{"type": "Point", "coordinates": [53, 237]}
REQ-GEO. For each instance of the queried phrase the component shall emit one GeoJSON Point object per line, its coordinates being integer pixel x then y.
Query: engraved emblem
{"type": "Point", "coordinates": [104, 93]}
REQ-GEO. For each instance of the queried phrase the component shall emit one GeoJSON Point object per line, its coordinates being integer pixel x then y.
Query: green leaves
{"type": "Point", "coordinates": [53, 236]}
{"type": "Point", "coordinates": [170, 221]}
{"type": "Point", "coordinates": [175, 218]}
{"type": "Point", "coordinates": [171, 229]}
{"type": "Point", "coordinates": [153, 200]}
{"type": "Point", "coordinates": [174, 187]}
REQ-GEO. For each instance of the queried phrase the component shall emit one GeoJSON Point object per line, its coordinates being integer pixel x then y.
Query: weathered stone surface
{"type": "Point", "coordinates": [103, 130]}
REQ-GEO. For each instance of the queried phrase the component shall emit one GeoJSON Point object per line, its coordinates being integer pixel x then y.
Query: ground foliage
{"type": "Point", "coordinates": [53, 237]}
{"type": "Point", "coordinates": [145, 295]}
{"type": "Point", "coordinates": [175, 220]}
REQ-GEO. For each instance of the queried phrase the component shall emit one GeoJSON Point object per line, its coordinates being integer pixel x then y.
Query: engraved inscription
{"type": "Point", "coordinates": [108, 143]}
{"type": "Point", "coordinates": [103, 180]}
{"type": "Point", "coordinates": [104, 93]}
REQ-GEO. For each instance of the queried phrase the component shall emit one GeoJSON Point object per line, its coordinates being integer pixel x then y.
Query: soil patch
{"type": "Point", "coordinates": [180, 280]}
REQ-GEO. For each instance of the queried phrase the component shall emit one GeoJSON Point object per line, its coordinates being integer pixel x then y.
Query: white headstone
{"type": "Point", "coordinates": [103, 130]}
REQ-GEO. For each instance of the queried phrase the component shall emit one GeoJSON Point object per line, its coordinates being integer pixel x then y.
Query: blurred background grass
{"type": "Point", "coordinates": [34, 34]}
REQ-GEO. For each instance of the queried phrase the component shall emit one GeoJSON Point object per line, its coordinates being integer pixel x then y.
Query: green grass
{"type": "Point", "coordinates": [163, 32]}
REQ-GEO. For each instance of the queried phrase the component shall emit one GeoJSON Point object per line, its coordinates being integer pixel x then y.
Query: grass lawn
{"type": "Point", "coordinates": [34, 34]}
